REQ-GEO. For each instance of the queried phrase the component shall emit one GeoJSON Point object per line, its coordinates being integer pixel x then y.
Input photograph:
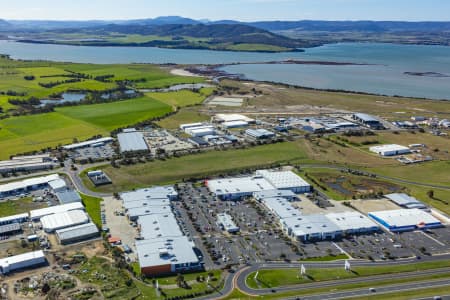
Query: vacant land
{"type": "Point", "coordinates": [199, 165]}
{"type": "Point", "coordinates": [281, 97]}
{"type": "Point", "coordinates": [182, 98]}
{"type": "Point", "coordinates": [183, 116]}
{"type": "Point", "coordinates": [342, 186]}
{"type": "Point", "coordinates": [19, 206]}
{"type": "Point", "coordinates": [35, 132]}
{"type": "Point", "coordinates": [92, 205]}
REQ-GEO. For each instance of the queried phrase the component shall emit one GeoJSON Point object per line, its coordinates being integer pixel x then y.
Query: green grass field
{"type": "Point", "coordinates": [35, 132]}
{"type": "Point", "coordinates": [183, 116]}
{"type": "Point", "coordinates": [182, 98]}
{"type": "Point", "coordinates": [199, 165]}
{"type": "Point", "coordinates": [284, 277]}
{"type": "Point", "coordinates": [92, 205]}
{"type": "Point", "coordinates": [19, 206]}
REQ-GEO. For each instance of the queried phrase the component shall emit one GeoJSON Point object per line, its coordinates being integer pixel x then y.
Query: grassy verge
{"type": "Point", "coordinates": [19, 206]}
{"type": "Point", "coordinates": [345, 287]}
{"type": "Point", "coordinates": [284, 277]}
{"type": "Point", "coordinates": [92, 205]}
{"type": "Point", "coordinates": [327, 258]}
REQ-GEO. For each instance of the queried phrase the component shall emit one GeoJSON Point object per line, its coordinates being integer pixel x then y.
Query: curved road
{"type": "Point", "coordinates": [237, 280]}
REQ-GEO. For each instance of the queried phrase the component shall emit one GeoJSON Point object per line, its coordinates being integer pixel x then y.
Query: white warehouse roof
{"type": "Point", "coordinates": [88, 143]}
{"type": "Point", "coordinates": [159, 226]}
{"type": "Point", "coordinates": [239, 185]}
{"type": "Point", "coordinates": [313, 225]}
{"type": "Point", "coordinates": [17, 185]}
{"type": "Point", "coordinates": [22, 260]}
{"type": "Point", "coordinates": [57, 184]}
{"type": "Point", "coordinates": [283, 179]}
{"type": "Point", "coordinates": [391, 149]}
{"type": "Point", "coordinates": [148, 210]}
{"type": "Point", "coordinates": [62, 220]}
{"type": "Point", "coordinates": [281, 207]}
{"type": "Point", "coordinates": [227, 222]}
{"type": "Point", "coordinates": [165, 251]}
{"type": "Point", "coordinates": [406, 219]}
{"type": "Point", "coordinates": [158, 192]}
{"type": "Point", "coordinates": [351, 221]}
{"type": "Point", "coordinates": [232, 117]}
{"type": "Point", "coordinates": [14, 218]}
{"type": "Point", "coordinates": [39, 213]}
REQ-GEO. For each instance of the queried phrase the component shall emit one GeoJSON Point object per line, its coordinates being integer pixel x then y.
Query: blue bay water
{"type": "Point", "coordinates": [384, 75]}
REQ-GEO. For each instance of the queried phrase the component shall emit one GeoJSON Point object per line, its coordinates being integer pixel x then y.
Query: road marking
{"type": "Point", "coordinates": [432, 238]}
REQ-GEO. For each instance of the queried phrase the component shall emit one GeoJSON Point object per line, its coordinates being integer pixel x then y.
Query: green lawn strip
{"type": "Point", "coordinates": [284, 277]}
{"type": "Point", "coordinates": [92, 205]}
{"type": "Point", "coordinates": [19, 206]}
{"type": "Point", "coordinates": [327, 258]}
{"type": "Point", "coordinates": [200, 165]}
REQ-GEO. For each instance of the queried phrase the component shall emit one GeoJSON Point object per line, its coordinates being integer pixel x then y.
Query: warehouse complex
{"type": "Point", "coordinates": [131, 140]}
{"type": "Point", "coordinates": [27, 163]}
{"type": "Point", "coordinates": [26, 185]}
{"type": "Point", "coordinates": [262, 181]}
{"type": "Point", "coordinates": [405, 219]}
{"type": "Point", "coordinates": [390, 150]}
{"type": "Point", "coordinates": [22, 261]}
{"type": "Point", "coordinates": [162, 248]}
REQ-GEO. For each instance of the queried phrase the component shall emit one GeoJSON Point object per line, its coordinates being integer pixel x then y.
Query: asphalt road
{"type": "Point", "coordinates": [379, 290]}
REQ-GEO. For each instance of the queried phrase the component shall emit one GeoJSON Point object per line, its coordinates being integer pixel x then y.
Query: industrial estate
{"type": "Point", "coordinates": [173, 182]}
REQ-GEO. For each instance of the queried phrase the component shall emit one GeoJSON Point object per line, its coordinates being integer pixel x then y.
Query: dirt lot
{"type": "Point", "coordinates": [369, 205]}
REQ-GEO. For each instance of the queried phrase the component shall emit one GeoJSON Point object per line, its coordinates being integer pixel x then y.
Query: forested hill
{"type": "Point", "coordinates": [233, 37]}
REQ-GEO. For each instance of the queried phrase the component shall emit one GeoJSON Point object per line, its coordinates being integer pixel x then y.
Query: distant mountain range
{"type": "Point", "coordinates": [180, 32]}
{"type": "Point", "coordinates": [306, 25]}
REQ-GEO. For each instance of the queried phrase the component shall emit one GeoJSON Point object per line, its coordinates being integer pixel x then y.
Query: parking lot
{"type": "Point", "coordinates": [260, 239]}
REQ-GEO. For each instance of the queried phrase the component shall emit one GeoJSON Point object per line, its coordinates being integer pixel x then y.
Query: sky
{"type": "Point", "coordinates": [245, 10]}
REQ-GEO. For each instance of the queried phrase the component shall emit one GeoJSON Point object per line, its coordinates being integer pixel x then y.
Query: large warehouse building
{"type": "Point", "coordinates": [353, 222]}
{"type": "Point", "coordinates": [162, 248]}
{"type": "Point", "coordinates": [285, 180]}
{"type": "Point", "coordinates": [390, 150]}
{"type": "Point", "coordinates": [131, 140]}
{"type": "Point", "coordinates": [26, 163]}
{"type": "Point", "coordinates": [406, 201]}
{"type": "Point", "coordinates": [89, 143]}
{"type": "Point", "coordinates": [405, 219]}
{"type": "Point", "coordinates": [77, 234]}
{"type": "Point", "coordinates": [263, 181]}
{"type": "Point", "coordinates": [37, 214]}
{"type": "Point", "coordinates": [22, 261]}
{"type": "Point", "coordinates": [26, 185]}
{"type": "Point", "coordinates": [311, 227]}
{"type": "Point", "coordinates": [62, 220]}
{"type": "Point", "coordinates": [161, 256]}
{"type": "Point", "coordinates": [20, 218]}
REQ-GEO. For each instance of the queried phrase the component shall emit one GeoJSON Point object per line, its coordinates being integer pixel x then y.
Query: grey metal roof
{"type": "Point", "coordinates": [77, 231]}
{"type": "Point", "coordinates": [405, 200]}
{"type": "Point", "coordinates": [132, 141]}
{"type": "Point", "coordinates": [9, 228]}
{"type": "Point", "coordinates": [68, 196]}
{"type": "Point", "coordinates": [310, 225]}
